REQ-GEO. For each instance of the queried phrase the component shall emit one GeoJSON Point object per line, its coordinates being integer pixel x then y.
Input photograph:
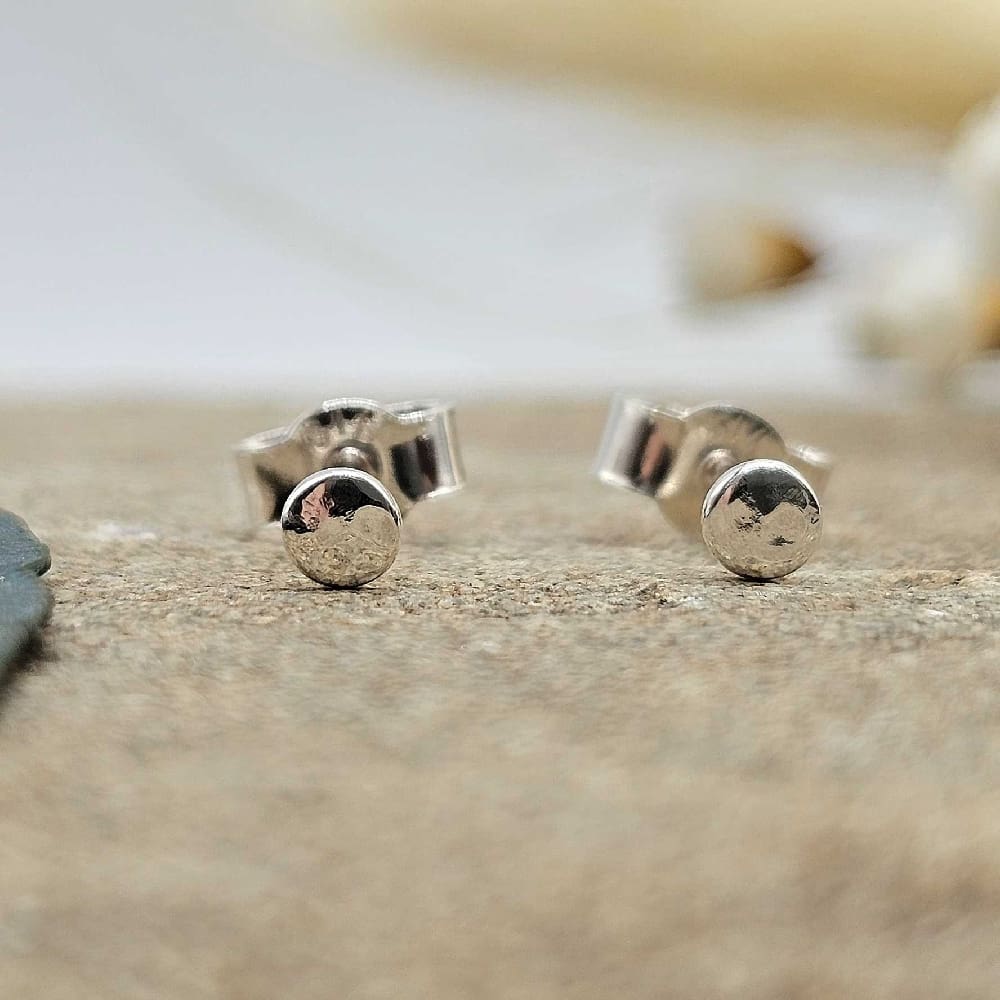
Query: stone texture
{"type": "Point", "coordinates": [554, 752]}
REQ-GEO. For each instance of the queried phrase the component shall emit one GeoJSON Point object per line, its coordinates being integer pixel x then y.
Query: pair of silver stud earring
{"type": "Point", "coordinates": [340, 479]}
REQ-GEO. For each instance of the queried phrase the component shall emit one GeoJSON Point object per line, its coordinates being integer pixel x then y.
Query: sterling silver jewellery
{"type": "Point", "coordinates": [724, 472]}
{"type": "Point", "coordinates": [340, 478]}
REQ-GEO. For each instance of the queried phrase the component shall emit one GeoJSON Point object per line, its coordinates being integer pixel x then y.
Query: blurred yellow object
{"type": "Point", "coordinates": [988, 320]}
{"type": "Point", "coordinates": [975, 176]}
{"type": "Point", "coordinates": [905, 61]}
{"type": "Point", "coordinates": [731, 253]}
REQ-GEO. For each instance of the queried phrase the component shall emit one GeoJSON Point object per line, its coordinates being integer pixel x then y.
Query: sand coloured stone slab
{"type": "Point", "coordinates": [555, 753]}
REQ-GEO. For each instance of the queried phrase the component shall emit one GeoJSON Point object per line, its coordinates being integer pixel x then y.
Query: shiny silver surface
{"type": "Point", "coordinates": [761, 519]}
{"type": "Point", "coordinates": [341, 527]}
{"type": "Point", "coordinates": [340, 479]}
{"type": "Point", "coordinates": [674, 455]}
{"type": "Point", "coordinates": [411, 448]}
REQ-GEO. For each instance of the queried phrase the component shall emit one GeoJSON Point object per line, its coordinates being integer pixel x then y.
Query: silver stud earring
{"type": "Point", "coordinates": [723, 472]}
{"type": "Point", "coordinates": [339, 480]}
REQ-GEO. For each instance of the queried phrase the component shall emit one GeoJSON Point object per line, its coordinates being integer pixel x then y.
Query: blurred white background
{"type": "Point", "coordinates": [239, 198]}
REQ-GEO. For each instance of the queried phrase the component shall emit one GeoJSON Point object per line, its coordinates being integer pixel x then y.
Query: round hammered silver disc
{"type": "Point", "coordinates": [761, 520]}
{"type": "Point", "coordinates": [341, 527]}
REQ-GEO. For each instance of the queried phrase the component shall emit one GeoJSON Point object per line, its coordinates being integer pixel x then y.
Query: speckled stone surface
{"type": "Point", "coordinates": [555, 752]}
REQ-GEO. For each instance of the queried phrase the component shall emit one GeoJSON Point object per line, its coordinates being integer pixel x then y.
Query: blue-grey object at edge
{"type": "Point", "coordinates": [25, 602]}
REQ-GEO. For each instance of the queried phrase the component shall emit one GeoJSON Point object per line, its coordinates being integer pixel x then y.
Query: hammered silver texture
{"type": "Point", "coordinates": [762, 520]}
{"type": "Point", "coordinates": [341, 527]}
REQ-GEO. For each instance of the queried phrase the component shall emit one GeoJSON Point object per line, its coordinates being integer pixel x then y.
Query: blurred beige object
{"type": "Point", "coordinates": [728, 254]}
{"type": "Point", "coordinates": [939, 305]}
{"type": "Point", "coordinates": [975, 173]}
{"type": "Point", "coordinates": [910, 61]}
{"type": "Point", "coordinates": [931, 309]}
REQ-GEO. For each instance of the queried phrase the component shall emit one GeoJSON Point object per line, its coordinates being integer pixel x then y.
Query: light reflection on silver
{"type": "Point", "coordinates": [762, 520]}
{"type": "Point", "coordinates": [676, 455]}
{"type": "Point", "coordinates": [341, 527]}
{"type": "Point", "coordinates": [411, 448]}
